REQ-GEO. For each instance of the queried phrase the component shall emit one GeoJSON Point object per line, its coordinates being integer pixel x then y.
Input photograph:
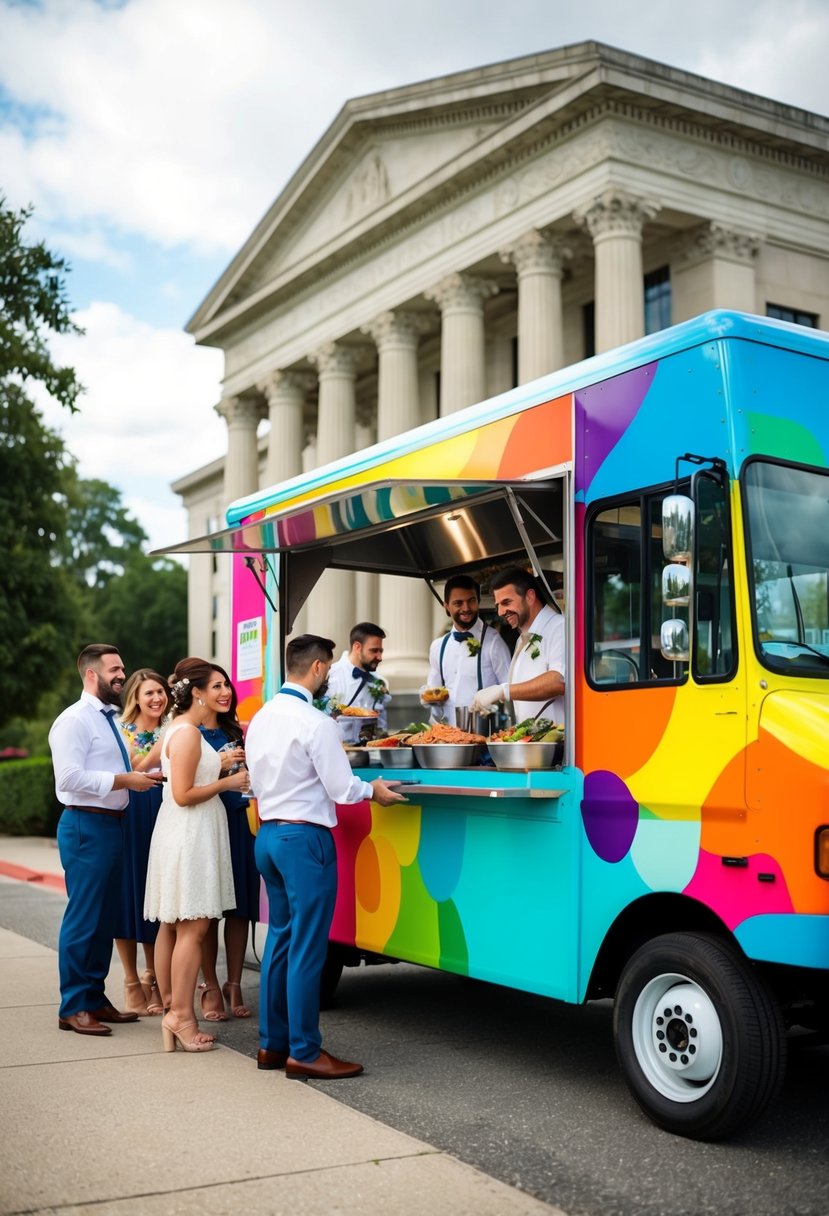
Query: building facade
{"type": "Point", "coordinates": [448, 240]}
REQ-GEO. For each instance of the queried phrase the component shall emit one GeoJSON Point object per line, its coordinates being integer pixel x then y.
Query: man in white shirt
{"type": "Point", "coordinates": [538, 665]}
{"type": "Point", "coordinates": [354, 682]}
{"type": "Point", "coordinates": [471, 656]}
{"type": "Point", "coordinates": [299, 770]}
{"type": "Point", "coordinates": [93, 777]}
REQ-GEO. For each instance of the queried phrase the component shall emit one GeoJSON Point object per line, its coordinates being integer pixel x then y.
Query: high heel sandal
{"type": "Point", "coordinates": [237, 1008]}
{"type": "Point", "coordinates": [135, 1002]}
{"type": "Point", "coordinates": [211, 1015]}
{"type": "Point", "coordinates": [172, 1038]}
{"type": "Point", "coordinates": [152, 995]}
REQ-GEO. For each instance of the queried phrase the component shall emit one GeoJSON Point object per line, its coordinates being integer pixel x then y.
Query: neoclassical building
{"type": "Point", "coordinates": [450, 239]}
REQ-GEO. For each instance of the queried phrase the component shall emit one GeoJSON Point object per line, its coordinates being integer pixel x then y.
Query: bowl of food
{"type": "Point", "coordinates": [447, 755]}
{"type": "Point", "coordinates": [435, 696]}
{"type": "Point", "coordinates": [357, 756]}
{"type": "Point", "coordinates": [393, 757]}
{"type": "Point", "coordinates": [525, 755]}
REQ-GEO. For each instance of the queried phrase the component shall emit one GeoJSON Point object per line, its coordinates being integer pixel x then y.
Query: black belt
{"type": "Point", "coordinates": [99, 810]}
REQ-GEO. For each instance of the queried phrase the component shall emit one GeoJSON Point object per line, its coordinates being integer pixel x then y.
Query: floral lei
{"type": "Point", "coordinates": [533, 643]}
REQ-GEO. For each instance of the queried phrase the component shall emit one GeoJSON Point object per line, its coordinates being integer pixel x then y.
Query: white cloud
{"type": "Point", "coordinates": [146, 416]}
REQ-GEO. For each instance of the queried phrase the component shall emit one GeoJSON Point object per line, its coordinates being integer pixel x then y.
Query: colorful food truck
{"type": "Point", "coordinates": [678, 859]}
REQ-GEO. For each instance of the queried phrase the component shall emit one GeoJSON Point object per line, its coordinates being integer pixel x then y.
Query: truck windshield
{"type": "Point", "coordinates": [788, 532]}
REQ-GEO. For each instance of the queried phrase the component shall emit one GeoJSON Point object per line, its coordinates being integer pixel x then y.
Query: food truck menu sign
{"type": "Point", "coordinates": [249, 649]}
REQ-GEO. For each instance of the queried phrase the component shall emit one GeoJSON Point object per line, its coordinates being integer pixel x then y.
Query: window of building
{"type": "Point", "coordinates": [657, 300]}
{"type": "Point", "coordinates": [780, 313]}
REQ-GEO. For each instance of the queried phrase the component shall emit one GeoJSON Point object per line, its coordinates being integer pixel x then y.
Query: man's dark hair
{"type": "Point", "coordinates": [363, 631]}
{"type": "Point", "coordinates": [460, 582]}
{"type": "Point", "coordinates": [301, 652]}
{"type": "Point", "coordinates": [91, 655]}
{"type": "Point", "coordinates": [520, 579]}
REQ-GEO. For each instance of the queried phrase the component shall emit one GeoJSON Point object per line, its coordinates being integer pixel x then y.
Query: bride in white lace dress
{"type": "Point", "coordinates": [189, 873]}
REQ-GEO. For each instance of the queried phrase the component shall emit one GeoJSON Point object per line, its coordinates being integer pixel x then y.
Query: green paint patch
{"type": "Point", "coordinates": [454, 955]}
{"type": "Point", "coordinates": [416, 932]}
{"type": "Point", "coordinates": [784, 438]}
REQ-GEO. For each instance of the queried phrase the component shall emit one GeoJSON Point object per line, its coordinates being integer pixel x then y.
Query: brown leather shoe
{"type": "Point", "coordinates": [325, 1068]}
{"type": "Point", "coordinates": [82, 1023]}
{"type": "Point", "coordinates": [108, 1013]}
{"type": "Point", "coordinates": [268, 1060]}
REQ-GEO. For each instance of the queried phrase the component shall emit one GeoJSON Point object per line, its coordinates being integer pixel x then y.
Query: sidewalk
{"type": "Point", "coordinates": [121, 1125]}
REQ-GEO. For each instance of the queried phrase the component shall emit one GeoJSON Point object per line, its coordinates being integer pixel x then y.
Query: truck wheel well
{"type": "Point", "coordinates": [648, 917]}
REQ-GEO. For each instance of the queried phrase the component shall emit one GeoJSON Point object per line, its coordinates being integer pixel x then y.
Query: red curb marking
{"type": "Point", "coordinates": [9, 870]}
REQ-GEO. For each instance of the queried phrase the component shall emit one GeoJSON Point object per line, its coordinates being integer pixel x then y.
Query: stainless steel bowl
{"type": "Point", "coordinates": [524, 755]}
{"type": "Point", "coordinates": [357, 757]}
{"type": "Point", "coordinates": [393, 757]}
{"type": "Point", "coordinates": [447, 755]}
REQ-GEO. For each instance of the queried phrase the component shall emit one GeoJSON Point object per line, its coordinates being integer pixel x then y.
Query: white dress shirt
{"type": "Point", "coordinates": [344, 686]}
{"type": "Point", "coordinates": [552, 656]}
{"type": "Point", "coordinates": [298, 768]}
{"type": "Point", "coordinates": [86, 756]}
{"type": "Point", "coordinates": [460, 668]}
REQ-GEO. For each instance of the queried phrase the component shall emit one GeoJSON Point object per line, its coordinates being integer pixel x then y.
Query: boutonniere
{"type": "Point", "coordinates": [377, 690]}
{"type": "Point", "coordinates": [473, 646]}
{"type": "Point", "coordinates": [533, 645]}
{"type": "Point", "coordinates": [325, 704]}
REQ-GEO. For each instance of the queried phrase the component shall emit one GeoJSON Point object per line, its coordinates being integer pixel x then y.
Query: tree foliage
{"type": "Point", "coordinates": [73, 567]}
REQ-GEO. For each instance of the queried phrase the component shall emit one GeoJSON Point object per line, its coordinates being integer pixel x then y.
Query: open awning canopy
{"type": "Point", "coordinates": [391, 527]}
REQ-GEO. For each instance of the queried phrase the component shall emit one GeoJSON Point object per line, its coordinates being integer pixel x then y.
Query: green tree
{"type": "Point", "coordinates": [144, 610]}
{"type": "Point", "coordinates": [38, 611]}
{"type": "Point", "coordinates": [99, 536]}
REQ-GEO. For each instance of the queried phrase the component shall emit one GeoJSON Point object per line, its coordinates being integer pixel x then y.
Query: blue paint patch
{"type": "Point", "coordinates": [792, 937]}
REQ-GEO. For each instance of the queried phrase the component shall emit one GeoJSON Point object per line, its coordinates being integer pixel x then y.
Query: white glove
{"type": "Point", "coordinates": [483, 701]}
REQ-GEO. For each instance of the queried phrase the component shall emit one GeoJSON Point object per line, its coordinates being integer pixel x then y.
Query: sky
{"type": "Point", "coordinates": [150, 136]}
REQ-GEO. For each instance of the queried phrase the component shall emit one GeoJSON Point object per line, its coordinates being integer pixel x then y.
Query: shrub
{"type": "Point", "coordinates": [28, 804]}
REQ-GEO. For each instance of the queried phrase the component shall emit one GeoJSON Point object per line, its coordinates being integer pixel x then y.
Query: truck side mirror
{"type": "Point", "coordinates": [677, 528]}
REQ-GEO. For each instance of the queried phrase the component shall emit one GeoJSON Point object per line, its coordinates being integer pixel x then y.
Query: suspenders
{"type": "Point", "coordinates": [480, 657]}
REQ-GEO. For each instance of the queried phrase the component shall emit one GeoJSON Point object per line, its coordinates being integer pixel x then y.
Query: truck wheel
{"type": "Point", "coordinates": [699, 1038]}
{"type": "Point", "coordinates": [331, 973]}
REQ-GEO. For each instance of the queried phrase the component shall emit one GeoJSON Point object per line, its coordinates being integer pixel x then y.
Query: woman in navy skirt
{"type": "Point", "coordinates": [146, 699]}
{"type": "Point", "coordinates": [220, 730]}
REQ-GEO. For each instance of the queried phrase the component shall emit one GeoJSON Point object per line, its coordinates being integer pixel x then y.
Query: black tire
{"type": "Point", "coordinates": [331, 973]}
{"type": "Point", "coordinates": [699, 1037]}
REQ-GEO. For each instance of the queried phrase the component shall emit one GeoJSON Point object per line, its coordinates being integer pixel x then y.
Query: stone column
{"type": "Point", "coordinates": [331, 604]}
{"type": "Point", "coordinates": [403, 602]}
{"type": "Point", "coordinates": [460, 298]}
{"type": "Point", "coordinates": [366, 586]}
{"type": "Point", "coordinates": [615, 220]}
{"type": "Point", "coordinates": [539, 263]}
{"type": "Point", "coordinates": [241, 477]}
{"type": "Point", "coordinates": [242, 460]}
{"type": "Point", "coordinates": [714, 267]}
{"type": "Point", "coordinates": [285, 394]}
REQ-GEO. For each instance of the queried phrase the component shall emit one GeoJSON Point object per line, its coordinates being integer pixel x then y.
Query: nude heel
{"type": "Point", "coordinates": [172, 1038]}
{"type": "Point", "coordinates": [168, 1037]}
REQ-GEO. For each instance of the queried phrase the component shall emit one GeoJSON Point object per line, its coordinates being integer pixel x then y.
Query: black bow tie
{"type": "Point", "coordinates": [360, 673]}
{"type": "Point", "coordinates": [460, 635]}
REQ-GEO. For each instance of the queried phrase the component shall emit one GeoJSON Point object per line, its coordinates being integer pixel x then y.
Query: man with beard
{"type": "Point", "coordinates": [299, 770]}
{"type": "Point", "coordinates": [93, 777]}
{"type": "Point", "coordinates": [353, 679]}
{"type": "Point", "coordinates": [538, 665]}
{"type": "Point", "coordinates": [471, 656]}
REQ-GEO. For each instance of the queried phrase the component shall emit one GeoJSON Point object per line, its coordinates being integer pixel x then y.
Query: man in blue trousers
{"type": "Point", "coordinates": [93, 777]}
{"type": "Point", "coordinates": [299, 770]}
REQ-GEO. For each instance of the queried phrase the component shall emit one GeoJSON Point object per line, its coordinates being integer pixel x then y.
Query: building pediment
{"type": "Point", "coordinates": [391, 158]}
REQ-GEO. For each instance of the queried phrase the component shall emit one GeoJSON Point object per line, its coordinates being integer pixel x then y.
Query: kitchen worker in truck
{"type": "Point", "coordinates": [537, 671]}
{"type": "Point", "coordinates": [353, 681]}
{"type": "Point", "coordinates": [470, 656]}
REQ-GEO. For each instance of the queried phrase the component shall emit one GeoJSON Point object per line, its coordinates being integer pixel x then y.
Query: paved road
{"type": "Point", "coordinates": [528, 1091]}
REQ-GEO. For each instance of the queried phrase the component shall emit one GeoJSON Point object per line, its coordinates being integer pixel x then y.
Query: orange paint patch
{"type": "Point", "coordinates": [620, 731]}
{"type": "Point", "coordinates": [367, 875]}
{"type": "Point", "coordinates": [541, 436]}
